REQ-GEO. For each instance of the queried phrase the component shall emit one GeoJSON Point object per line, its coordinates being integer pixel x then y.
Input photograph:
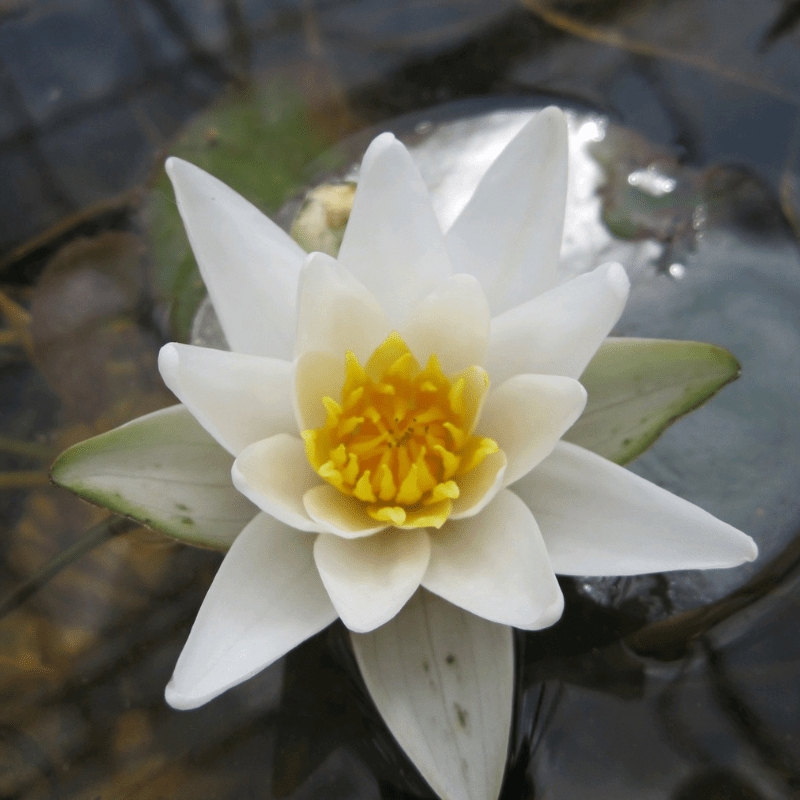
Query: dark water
{"type": "Point", "coordinates": [679, 687]}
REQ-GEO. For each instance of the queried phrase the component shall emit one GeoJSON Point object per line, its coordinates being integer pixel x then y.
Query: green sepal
{"type": "Point", "coordinates": [638, 387]}
{"type": "Point", "coordinates": [164, 471]}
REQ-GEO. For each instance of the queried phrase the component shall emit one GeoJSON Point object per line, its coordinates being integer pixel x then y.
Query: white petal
{"type": "Point", "coordinates": [338, 514]}
{"type": "Point", "coordinates": [496, 566]}
{"type": "Point", "coordinates": [275, 474]}
{"type": "Point", "coordinates": [317, 375]}
{"type": "Point", "coordinates": [369, 580]}
{"type": "Point", "coordinates": [237, 398]}
{"type": "Point", "coordinates": [265, 600]}
{"type": "Point", "coordinates": [600, 519]}
{"type": "Point", "coordinates": [336, 312]}
{"type": "Point", "coordinates": [163, 470]}
{"type": "Point", "coordinates": [509, 233]}
{"type": "Point", "coordinates": [558, 332]}
{"type": "Point", "coordinates": [249, 265]}
{"type": "Point", "coordinates": [393, 243]}
{"type": "Point", "coordinates": [527, 415]}
{"type": "Point", "coordinates": [480, 486]}
{"type": "Point", "coordinates": [453, 323]}
{"type": "Point", "coordinates": [443, 681]}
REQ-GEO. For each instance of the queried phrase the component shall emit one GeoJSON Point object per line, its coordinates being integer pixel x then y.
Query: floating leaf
{"type": "Point", "coordinates": [163, 470]}
{"type": "Point", "coordinates": [639, 387]}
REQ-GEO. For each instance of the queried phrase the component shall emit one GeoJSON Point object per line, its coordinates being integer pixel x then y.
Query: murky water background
{"type": "Point", "coordinates": [685, 686]}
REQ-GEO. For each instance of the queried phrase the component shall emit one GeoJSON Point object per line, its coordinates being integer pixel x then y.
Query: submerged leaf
{"type": "Point", "coordinates": [638, 387]}
{"type": "Point", "coordinates": [163, 470]}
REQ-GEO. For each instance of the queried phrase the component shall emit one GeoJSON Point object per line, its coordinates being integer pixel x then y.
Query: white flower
{"type": "Point", "coordinates": [440, 465]}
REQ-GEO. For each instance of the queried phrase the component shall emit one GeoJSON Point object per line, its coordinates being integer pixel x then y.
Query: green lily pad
{"type": "Point", "coordinates": [639, 387]}
{"type": "Point", "coordinates": [164, 471]}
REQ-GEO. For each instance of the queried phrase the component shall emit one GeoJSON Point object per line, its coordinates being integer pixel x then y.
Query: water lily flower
{"type": "Point", "coordinates": [396, 416]}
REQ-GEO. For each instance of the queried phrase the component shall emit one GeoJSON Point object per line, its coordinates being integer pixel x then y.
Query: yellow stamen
{"type": "Point", "coordinates": [401, 437]}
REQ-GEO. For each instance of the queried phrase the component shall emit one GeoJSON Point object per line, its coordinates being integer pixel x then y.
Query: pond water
{"type": "Point", "coordinates": [685, 168]}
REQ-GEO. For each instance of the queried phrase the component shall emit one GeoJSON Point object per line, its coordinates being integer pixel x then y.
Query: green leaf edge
{"type": "Point", "coordinates": [729, 370]}
{"type": "Point", "coordinates": [116, 502]}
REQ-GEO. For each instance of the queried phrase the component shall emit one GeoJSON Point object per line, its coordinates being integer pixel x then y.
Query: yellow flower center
{"type": "Point", "coordinates": [401, 436]}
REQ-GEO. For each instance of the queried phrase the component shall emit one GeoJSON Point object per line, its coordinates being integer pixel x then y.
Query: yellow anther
{"type": "Point", "coordinates": [409, 492]}
{"type": "Point", "coordinates": [475, 452]}
{"type": "Point", "coordinates": [339, 456]}
{"type": "Point", "coordinates": [363, 489]}
{"type": "Point", "coordinates": [450, 461]}
{"type": "Point", "coordinates": [443, 491]}
{"type": "Point", "coordinates": [387, 487]}
{"type": "Point", "coordinates": [401, 437]}
{"type": "Point", "coordinates": [392, 514]}
{"type": "Point", "coordinates": [350, 472]}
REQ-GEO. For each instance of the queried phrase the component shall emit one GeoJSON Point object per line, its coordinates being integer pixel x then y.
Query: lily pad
{"type": "Point", "coordinates": [638, 387]}
{"type": "Point", "coordinates": [164, 471]}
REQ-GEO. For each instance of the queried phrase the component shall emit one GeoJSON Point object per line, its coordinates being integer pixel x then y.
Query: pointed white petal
{"type": "Point", "coordinates": [238, 399]}
{"type": "Point", "coordinates": [638, 387]}
{"type": "Point", "coordinates": [443, 681]}
{"type": "Point", "coordinates": [163, 470]}
{"type": "Point", "coordinates": [453, 323]}
{"type": "Point", "coordinates": [336, 312]}
{"type": "Point", "coordinates": [316, 375]}
{"type": "Point", "coordinates": [599, 519]}
{"type": "Point", "coordinates": [558, 332]}
{"type": "Point", "coordinates": [265, 600]}
{"type": "Point", "coordinates": [369, 580]}
{"type": "Point", "coordinates": [393, 243]}
{"type": "Point", "coordinates": [509, 234]}
{"type": "Point", "coordinates": [338, 514]}
{"type": "Point", "coordinates": [496, 566]}
{"type": "Point", "coordinates": [249, 265]}
{"type": "Point", "coordinates": [527, 415]}
{"type": "Point", "coordinates": [274, 474]}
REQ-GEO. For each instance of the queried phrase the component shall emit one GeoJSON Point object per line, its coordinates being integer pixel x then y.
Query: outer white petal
{"type": "Point", "coordinates": [496, 566]}
{"type": "Point", "coordinates": [275, 474]}
{"type": "Point", "coordinates": [393, 243]}
{"type": "Point", "coordinates": [336, 312]}
{"type": "Point", "coordinates": [338, 514]}
{"type": "Point", "coordinates": [443, 681]}
{"type": "Point", "coordinates": [527, 415]}
{"type": "Point", "coordinates": [509, 233]}
{"type": "Point", "coordinates": [237, 398]}
{"type": "Point", "coordinates": [265, 600]}
{"type": "Point", "coordinates": [453, 323]}
{"type": "Point", "coordinates": [558, 332]}
{"type": "Point", "coordinates": [369, 580]}
{"type": "Point", "coordinates": [249, 265]}
{"type": "Point", "coordinates": [600, 519]}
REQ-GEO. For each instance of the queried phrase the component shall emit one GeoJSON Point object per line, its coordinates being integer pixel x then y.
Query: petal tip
{"type": "Point", "coordinates": [618, 279]}
{"type": "Point", "coordinates": [752, 555]}
{"type": "Point", "coordinates": [168, 361]}
{"type": "Point", "coordinates": [180, 701]}
{"type": "Point", "coordinates": [177, 168]}
{"type": "Point", "coordinates": [554, 115]}
{"type": "Point", "coordinates": [552, 613]}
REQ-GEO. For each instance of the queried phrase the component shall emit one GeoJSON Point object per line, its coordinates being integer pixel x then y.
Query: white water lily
{"type": "Point", "coordinates": [395, 414]}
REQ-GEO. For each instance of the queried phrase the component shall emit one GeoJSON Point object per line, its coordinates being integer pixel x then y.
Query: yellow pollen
{"type": "Point", "coordinates": [401, 436]}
